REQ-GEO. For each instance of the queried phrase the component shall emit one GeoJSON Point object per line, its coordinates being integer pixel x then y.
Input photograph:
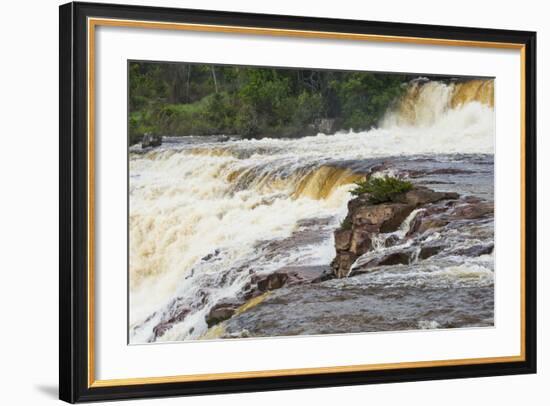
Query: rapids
{"type": "Point", "coordinates": [205, 213]}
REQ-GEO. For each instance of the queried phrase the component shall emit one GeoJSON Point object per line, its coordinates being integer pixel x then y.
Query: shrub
{"type": "Point", "coordinates": [381, 189]}
{"type": "Point", "coordinates": [246, 121]}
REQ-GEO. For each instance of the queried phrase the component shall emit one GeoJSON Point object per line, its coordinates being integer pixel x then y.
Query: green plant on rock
{"type": "Point", "coordinates": [381, 189]}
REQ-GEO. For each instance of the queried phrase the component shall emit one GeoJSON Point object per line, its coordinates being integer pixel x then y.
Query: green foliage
{"type": "Point", "coordinates": [381, 189]}
{"type": "Point", "coordinates": [198, 99]}
{"type": "Point", "coordinates": [308, 107]}
{"type": "Point", "coordinates": [139, 124]}
{"type": "Point", "coordinates": [364, 97]}
{"type": "Point", "coordinates": [246, 121]}
{"type": "Point", "coordinates": [346, 223]}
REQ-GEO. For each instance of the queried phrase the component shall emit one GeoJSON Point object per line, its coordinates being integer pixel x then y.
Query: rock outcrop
{"type": "Point", "coordinates": [365, 220]}
{"type": "Point", "coordinates": [151, 140]}
{"type": "Point", "coordinates": [220, 312]}
{"type": "Point", "coordinates": [287, 276]}
{"type": "Point", "coordinates": [262, 283]}
{"type": "Point", "coordinates": [176, 316]}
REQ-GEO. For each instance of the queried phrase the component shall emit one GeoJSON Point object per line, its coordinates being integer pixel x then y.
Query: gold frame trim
{"type": "Point", "coordinates": [94, 22]}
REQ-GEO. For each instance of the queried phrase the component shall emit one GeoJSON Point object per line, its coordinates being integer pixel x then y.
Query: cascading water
{"type": "Point", "coordinates": [207, 215]}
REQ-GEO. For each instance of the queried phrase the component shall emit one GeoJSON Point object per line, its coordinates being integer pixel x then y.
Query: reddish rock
{"type": "Point", "coordinates": [342, 264]}
{"type": "Point", "coordinates": [422, 195]}
{"type": "Point", "coordinates": [272, 281]}
{"type": "Point", "coordinates": [342, 239]}
{"type": "Point", "coordinates": [221, 312]}
{"type": "Point", "coordinates": [473, 210]}
{"type": "Point", "coordinates": [386, 217]}
{"type": "Point", "coordinates": [366, 219]}
{"type": "Point", "coordinates": [392, 258]}
{"type": "Point", "coordinates": [415, 223]}
{"type": "Point", "coordinates": [360, 241]}
{"type": "Point", "coordinates": [395, 258]}
{"type": "Point", "coordinates": [165, 325]}
{"type": "Point", "coordinates": [429, 251]}
{"type": "Point", "coordinates": [449, 171]}
{"type": "Point", "coordinates": [297, 275]}
{"type": "Point", "coordinates": [431, 223]}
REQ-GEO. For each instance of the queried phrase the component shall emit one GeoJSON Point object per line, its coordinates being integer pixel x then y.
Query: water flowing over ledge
{"type": "Point", "coordinates": [211, 216]}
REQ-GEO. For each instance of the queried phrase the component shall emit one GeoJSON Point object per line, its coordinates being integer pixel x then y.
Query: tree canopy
{"type": "Point", "coordinates": [181, 99]}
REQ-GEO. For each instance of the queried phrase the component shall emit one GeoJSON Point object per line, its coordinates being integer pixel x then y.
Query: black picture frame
{"type": "Point", "coordinates": [74, 385]}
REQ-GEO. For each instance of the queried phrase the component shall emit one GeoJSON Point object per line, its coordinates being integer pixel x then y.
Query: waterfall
{"type": "Point", "coordinates": [427, 102]}
{"type": "Point", "coordinates": [203, 214]}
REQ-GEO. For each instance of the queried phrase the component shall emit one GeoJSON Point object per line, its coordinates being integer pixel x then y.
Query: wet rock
{"type": "Point", "coordinates": [271, 282]}
{"type": "Point", "coordinates": [475, 251]}
{"type": "Point", "coordinates": [384, 217]}
{"type": "Point", "coordinates": [472, 199]}
{"type": "Point", "coordinates": [391, 258]}
{"type": "Point", "coordinates": [287, 276]}
{"type": "Point", "coordinates": [450, 171]}
{"type": "Point", "coordinates": [431, 223]}
{"type": "Point", "coordinates": [342, 239]}
{"type": "Point", "coordinates": [415, 224]}
{"type": "Point", "coordinates": [471, 211]}
{"type": "Point", "coordinates": [160, 329]}
{"type": "Point", "coordinates": [430, 250]}
{"type": "Point", "coordinates": [221, 312]}
{"type": "Point", "coordinates": [395, 258]}
{"type": "Point", "coordinates": [422, 195]}
{"type": "Point", "coordinates": [419, 173]}
{"type": "Point", "coordinates": [366, 220]}
{"type": "Point", "coordinates": [391, 241]}
{"type": "Point", "coordinates": [342, 263]}
{"type": "Point", "coordinates": [360, 241]}
{"type": "Point", "coordinates": [296, 275]}
{"type": "Point", "coordinates": [250, 292]}
{"type": "Point", "coordinates": [165, 325]}
{"type": "Point", "coordinates": [436, 182]}
{"type": "Point", "coordinates": [415, 173]}
{"type": "Point", "coordinates": [356, 203]}
{"type": "Point", "coordinates": [208, 257]}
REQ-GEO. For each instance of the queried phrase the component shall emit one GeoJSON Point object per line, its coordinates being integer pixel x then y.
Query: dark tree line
{"type": "Point", "coordinates": [198, 99]}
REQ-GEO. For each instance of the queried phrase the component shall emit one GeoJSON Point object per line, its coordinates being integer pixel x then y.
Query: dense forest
{"type": "Point", "coordinates": [181, 99]}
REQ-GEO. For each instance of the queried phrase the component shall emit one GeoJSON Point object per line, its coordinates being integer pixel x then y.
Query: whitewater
{"type": "Point", "coordinates": [204, 212]}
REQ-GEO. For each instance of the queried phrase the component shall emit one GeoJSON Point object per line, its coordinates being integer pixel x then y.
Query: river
{"type": "Point", "coordinates": [207, 214]}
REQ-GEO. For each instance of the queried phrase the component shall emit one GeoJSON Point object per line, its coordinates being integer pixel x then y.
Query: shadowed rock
{"type": "Point", "coordinates": [221, 312]}
{"type": "Point", "coordinates": [394, 258]}
{"type": "Point", "coordinates": [430, 250]}
{"type": "Point", "coordinates": [287, 276]}
{"type": "Point", "coordinates": [342, 239]}
{"type": "Point", "coordinates": [474, 251]}
{"type": "Point", "coordinates": [165, 325]}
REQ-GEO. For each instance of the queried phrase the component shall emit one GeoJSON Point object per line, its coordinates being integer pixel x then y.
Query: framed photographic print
{"type": "Point", "coordinates": [257, 202]}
